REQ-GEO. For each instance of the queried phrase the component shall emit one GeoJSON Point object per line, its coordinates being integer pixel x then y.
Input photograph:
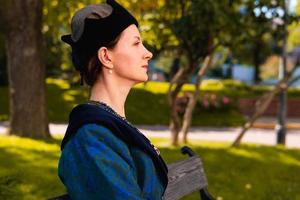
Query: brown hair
{"type": "Point", "coordinates": [91, 71]}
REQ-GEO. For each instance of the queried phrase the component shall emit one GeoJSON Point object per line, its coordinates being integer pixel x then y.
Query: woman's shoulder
{"type": "Point", "coordinates": [93, 129]}
{"type": "Point", "coordinates": [91, 135]}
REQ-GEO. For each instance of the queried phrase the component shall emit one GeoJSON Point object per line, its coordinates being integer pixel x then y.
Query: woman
{"type": "Point", "coordinates": [103, 155]}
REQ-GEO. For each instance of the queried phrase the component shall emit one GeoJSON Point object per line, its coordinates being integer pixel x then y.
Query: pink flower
{"type": "Point", "coordinates": [225, 100]}
{"type": "Point", "coordinates": [205, 103]}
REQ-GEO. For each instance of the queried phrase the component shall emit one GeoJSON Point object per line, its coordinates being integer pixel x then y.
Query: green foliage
{"type": "Point", "coordinates": [294, 31]}
{"type": "Point", "coordinates": [260, 33]}
{"type": "Point", "coordinates": [294, 35]}
{"type": "Point", "coordinates": [257, 33]}
{"type": "Point", "coordinates": [245, 173]}
{"type": "Point", "coordinates": [167, 25]}
{"type": "Point", "coordinates": [197, 24]}
{"type": "Point", "coordinates": [56, 22]}
{"type": "Point", "coordinates": [157, 37]}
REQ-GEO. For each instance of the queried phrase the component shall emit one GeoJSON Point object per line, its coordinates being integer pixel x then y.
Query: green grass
{"type": "Point", "coordinates": [28, 169]}
{"type": "Point", "coordinates": [146, 104]}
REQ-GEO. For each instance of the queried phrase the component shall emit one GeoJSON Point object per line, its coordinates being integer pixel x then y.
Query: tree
{"type": "Point", "coordinates": [264, 101]}
{"type": "Point", "coordinates": [56, 22]}
{"type": "Point", "coordinates": [280, 88]}
{"type": "Point", "coordinates": [256, 40]}
{"type": "Point", "coordinates": [22, 22]}
{"type": "Point", "coordinates": [199, 26]}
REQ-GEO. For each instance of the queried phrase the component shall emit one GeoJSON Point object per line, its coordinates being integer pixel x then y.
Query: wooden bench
{"type": "Point", "coordinates": [185, 176]}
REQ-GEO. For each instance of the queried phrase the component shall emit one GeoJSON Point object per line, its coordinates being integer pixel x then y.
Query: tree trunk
{"type": "Point", "coordinates": [175, 65]}
{"type": "Point", "coordinates": [187, 118]}
{"type": "Point", "coordinates": [261, 106]}
{"type": "Point", "coordinates": [256, 61]}
{"type": "Point", "coordinates": [263, 103]}
{"type": "Point", "coordinates": [26, 67]}
{"type": "Point", "coordinates": [175, 122]}
{"type": "Point", "coordinates": [182, 76]}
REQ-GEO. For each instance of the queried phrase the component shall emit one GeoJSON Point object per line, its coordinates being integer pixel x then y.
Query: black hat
{"type": "Point", "coordinates": [89, 34]}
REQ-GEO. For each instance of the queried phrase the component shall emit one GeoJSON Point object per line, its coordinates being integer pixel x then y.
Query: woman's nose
{"type": "Point", "coordinates": [148, 55]}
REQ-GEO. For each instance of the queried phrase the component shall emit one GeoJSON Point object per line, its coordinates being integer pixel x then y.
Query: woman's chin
{"type": "Point", "coordinates": [146, 78]}
{"type": "Point", "coordinates": [142, 79]}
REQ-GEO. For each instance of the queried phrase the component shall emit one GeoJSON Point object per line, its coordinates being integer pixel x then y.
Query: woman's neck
{"type": "Point", "coordinates": [112, 94]}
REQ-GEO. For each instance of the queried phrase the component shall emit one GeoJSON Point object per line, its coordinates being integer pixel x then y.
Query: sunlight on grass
{"type": "Point", "coordinates": [246, 154]}
{"type": "Point", "coordinates": [212, 84]}
{"type": "Point", "coordinates": [72, 94]}
{"type": "Point", "coordinates": [62, 84]}
{"type": "Point", "coordinates": [161, 87]}
{"type": "Point", "coordinates": [27, 144]}
{"type": "Point", "coordinates": [287, 159]}
{"type": "Point", "coordinates": [75, 92]}
{"type": "Point", "coordinates": [155, 87]}
{"type": "Point", "coordinates": [209, 85]}
{"type": "Point", "coordinates": [30, 168]}
{"type": "Point", "coordinates": [68, 97]}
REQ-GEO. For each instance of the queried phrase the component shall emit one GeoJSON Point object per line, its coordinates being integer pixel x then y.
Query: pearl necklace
{"type": "Point", "coordinates": [110, 110]}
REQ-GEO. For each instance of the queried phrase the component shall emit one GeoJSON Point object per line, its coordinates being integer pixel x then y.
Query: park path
{"type": "Point", "coordinates": [264, 133]}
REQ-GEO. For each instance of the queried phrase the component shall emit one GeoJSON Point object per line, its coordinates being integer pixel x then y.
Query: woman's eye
{"type": "Point", "coordinates": [137, 43]}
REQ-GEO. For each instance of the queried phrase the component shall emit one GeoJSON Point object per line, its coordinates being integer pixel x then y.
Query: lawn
{"type": "Point", "coordinates": [146, 104]}
{"type": "Point", "coordinates": [28, 169]}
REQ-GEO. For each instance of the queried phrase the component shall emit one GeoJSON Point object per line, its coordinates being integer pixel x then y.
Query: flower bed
{"type": "Point", "coordinates": [247, 107]}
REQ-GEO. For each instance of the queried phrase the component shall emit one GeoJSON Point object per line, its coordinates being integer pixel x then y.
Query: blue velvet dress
{"type": "Point", "coordinates": [98, 163]}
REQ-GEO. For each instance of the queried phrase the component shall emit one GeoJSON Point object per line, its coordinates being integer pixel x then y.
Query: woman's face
{"type": "Point", "coordinates": [130, 57]}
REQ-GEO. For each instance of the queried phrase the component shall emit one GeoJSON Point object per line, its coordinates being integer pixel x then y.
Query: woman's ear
{"type": "Point", "coordinates": [105, 57]}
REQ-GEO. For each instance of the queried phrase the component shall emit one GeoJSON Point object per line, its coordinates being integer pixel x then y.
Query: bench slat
{"type": "Point", "coordinates": [185, 176]}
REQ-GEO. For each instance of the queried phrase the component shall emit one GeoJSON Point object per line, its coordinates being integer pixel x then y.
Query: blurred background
{"type": "Point", "coordinates": [221, 67]}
